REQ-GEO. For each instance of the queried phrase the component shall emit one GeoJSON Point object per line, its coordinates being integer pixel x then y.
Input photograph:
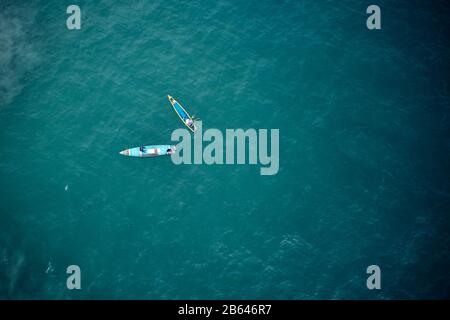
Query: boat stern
{"type": "Point", "coordinates": [173, 150]}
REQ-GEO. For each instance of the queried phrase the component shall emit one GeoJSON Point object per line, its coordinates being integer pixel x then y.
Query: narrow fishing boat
{"type": "Point", "coordinates": [182, 113]}
{"type": "Point", "coordinates": [149, 151]}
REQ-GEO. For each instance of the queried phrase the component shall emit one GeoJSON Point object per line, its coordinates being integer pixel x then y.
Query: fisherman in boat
{"type": "Point", "coordinates": [170, 151]}
{"type": "Point", "coordinates": [189, 122]}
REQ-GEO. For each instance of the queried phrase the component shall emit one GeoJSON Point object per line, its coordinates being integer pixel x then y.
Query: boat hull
{"type": "Point", "coordinates": [149, 151]}
{"type": "Point", "coordinates": [182, 114]}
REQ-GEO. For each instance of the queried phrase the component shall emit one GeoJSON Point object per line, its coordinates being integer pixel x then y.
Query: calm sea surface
{"type": "Point", "coordinates": [364, 119]}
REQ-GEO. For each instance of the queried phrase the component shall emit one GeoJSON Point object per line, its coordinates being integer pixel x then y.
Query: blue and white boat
{"type": "Point", "coordinates": [182, 113]}
{"type": "Point", "coordinates": [149, 151]}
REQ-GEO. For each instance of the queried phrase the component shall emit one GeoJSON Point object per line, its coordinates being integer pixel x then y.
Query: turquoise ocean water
{"type": "Point", "coordinates": [364, 121]}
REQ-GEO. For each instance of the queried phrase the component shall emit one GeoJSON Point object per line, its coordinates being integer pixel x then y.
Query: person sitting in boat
{"type": "Point", "coordinates": [142, 149]}
{"type": "Point", "coordinates": [189, 122]}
